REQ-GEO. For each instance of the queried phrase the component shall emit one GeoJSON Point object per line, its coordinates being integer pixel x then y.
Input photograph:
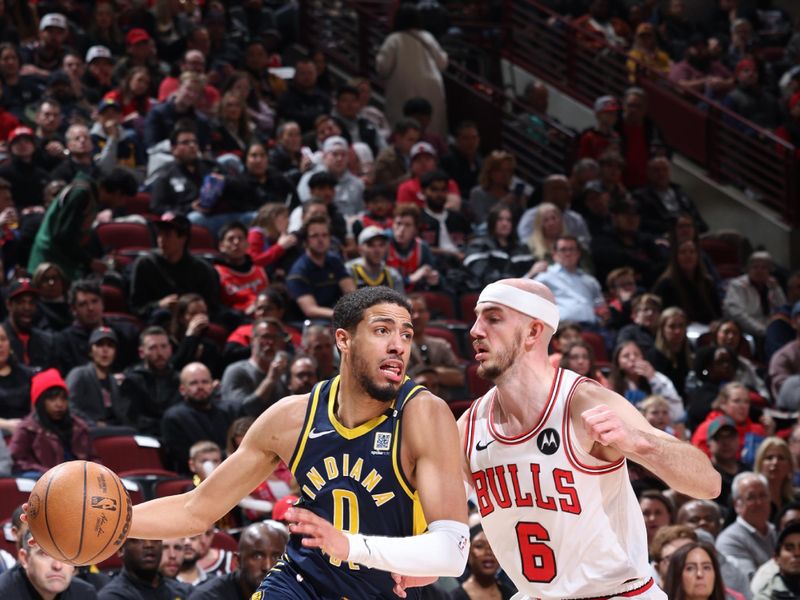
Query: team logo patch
{"type": "Point", "coordinates": [257, 596]}
{"type": "Point", "coordinates": [548, 441]}
{"type": "Point", "coordinates": [383, 441]}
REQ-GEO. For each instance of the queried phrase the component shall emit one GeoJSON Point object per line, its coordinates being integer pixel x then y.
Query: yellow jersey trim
{"type": "Point", "coordinates": [298, 453]}
{"type": "Point", "coordinates": [346, 432]}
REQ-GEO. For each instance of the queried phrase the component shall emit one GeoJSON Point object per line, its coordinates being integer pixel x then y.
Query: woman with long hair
{"type": "Point", "coordinates": [18, 90]}
{"type": "Point", "coordinates": [104, 30]}
{"type": "Point", "coordinates": [15, 386]}
{"type": "Point", "coordinates": [579, 357]}
{"type": "Point", "coordinates": [727, 333]}
{"type": "Point", "coordinates": [635, 378]}
{"type": "Point", "coordinates": [232, 130]}
{"type": "Point", "coordinates": [498, 254]}
{"type": "Point", "coordinates": [548, 224]}
{"type": "Point", "coordinates": [693, 574]}
{"type": "Point", "coordinates": [774, 461]}
{"type": "Point", "coordinates": [494, 186]}
{"type": "Point", "coordinates": [259, 112]}
{"type": "Point", "coordinates": [188, 335]}
{"type": "Point", "coordinates": [483, 567]}
{"type": "Point", "coordinates": [52, 304]}
{"type": "Point", "coordinates": [269, 239]}
{"type": "Point", "coordinates": [686, 284]}
{"type": "Point", "coordinates": [671, 353]}
{"type": "Point", "coordinates": [133, 94]}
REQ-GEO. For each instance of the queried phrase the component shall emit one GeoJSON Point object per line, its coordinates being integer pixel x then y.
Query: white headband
{"type": "Point", "coordinates": [525, 302]}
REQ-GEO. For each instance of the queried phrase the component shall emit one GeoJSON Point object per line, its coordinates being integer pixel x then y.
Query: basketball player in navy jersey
{"type": "Point", "coordinates": [376, 457]}
{"type": "Point", "coordinates": [545, 451]}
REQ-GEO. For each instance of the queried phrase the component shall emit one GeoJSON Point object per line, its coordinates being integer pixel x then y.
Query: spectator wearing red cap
{"type": "Point", "coordinates": [49, 435]}
{"type": "Point", "coordinates": [25, 176]}
{"type": "Point", "coordinates": [31, 346]}
{"type": "Point", "coordinates": [789, 130]}
{"type": "Point", "coordinates": [603, 136]}
{"type": "Point", "coordinates": [750, 100]}
{"type": "Point", "coordinates": [140, 51]}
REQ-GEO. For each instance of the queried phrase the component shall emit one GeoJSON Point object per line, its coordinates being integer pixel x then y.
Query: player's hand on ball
{"type": "Point", "coordinates": [604, 426]}
{"type": "Point", "coordinates": [318, 533]}
{"type": "Point", "coordinates": [402, 582]}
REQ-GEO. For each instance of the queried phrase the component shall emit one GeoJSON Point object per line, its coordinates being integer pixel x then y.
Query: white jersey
{"type": "Point", "coordinates": [562, 523]}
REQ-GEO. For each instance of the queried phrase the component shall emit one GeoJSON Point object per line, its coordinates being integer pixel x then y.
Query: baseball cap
{"type": "Point", "coordinates": [19, 132]}
{"type": "Point", "coordinates": [102, 333]}
{"type": "Point", "coordinates": [796, 309]}
{"type": "Point", "coordinates": [21, 286]}
{"type": "Point", "coordinates": [606, 104]}
{"type": "Point", "coordinates": [53, 20]}
{"type": "Point", "coordinates": [96, 52]}
{"type": "Point", "coordinates": [370, 233]}
{"type": "Point", "coordinates": [791, 527]}
{"type": "Point", "coordinates": [177, 222]}
{"type": "Point", "coordinates": [721, 422]}
{"type": "Point", "coordinates": [745, 63]}
{"type": "Point", "coordinates": [281, 506]}
{"type": "Point", "coordinates": [108, 103]}
{"type": "Point", "coordinates": [136, 36]}
{"type": "Point", "coordinates": [421, 148]}
{"type": "Point", "coordinates": [335, 142]}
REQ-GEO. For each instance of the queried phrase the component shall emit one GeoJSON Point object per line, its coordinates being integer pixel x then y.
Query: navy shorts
{"type": "Point", "coordinates": [284, 582]}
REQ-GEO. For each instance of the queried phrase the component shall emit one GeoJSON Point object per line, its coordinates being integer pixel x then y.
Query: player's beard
{"type": "Point", "coordinates": [503, 362]}
{"type": "Point", "coordinates": [360, 369]}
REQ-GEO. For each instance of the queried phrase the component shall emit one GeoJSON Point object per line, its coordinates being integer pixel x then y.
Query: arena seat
{"type": "Point", "coordinates": [466, 304]}
{"type": "Point", "coordinates": [114, 299]}
{"type": "Point", "coordinates": [440, 305]}
{"type": "Point", "coordinates": [218, 334]}
{"type": "Point", "coordinates": [124, 236]}
{"type": "Point", "coordinates": [202, 239]}
{"type": "Point", "coordinates": [139, 205]}
{"type": "Point", "coordinates": [14, 491]}
{"type": "Point", "coordinates": [476, 385]}
{"type": "Point", "coordinates": [598, 348]}
{"type": "Point", "coordinates": [122, 453]}
{"type": "Point", "coordinates": [724, 254]}
{"type": "Point", "coordinates": [459, 407]}
{"type": "Point", "coordinates": [224, 541]}
{"type": "Point", "coordinates": [123, 316]}
{"type": "Point", "coordinates": [171, 487]}
{"type": "Point", "coordinates": [445, 334]}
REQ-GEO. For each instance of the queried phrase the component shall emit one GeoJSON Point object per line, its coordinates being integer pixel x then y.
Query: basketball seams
{"type": "Point", "coordinates": [46, 515]}
{"type": "Point", "coordinates": [119, 516]}
{"type": "Point", "coordinates": [83, 511]}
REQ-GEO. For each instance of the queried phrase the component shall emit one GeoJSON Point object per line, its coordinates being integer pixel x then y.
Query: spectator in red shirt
{"type": "Point", "coordinates": [597, 140]}
{"type": "Point", "coordinates": [640, 139]}
{"type": "Point", "coordinates": [194, 61]}
{"type": "Point", "coordinates": [240, 280]}
{"type": "Point", "coordinates": [424, 160]}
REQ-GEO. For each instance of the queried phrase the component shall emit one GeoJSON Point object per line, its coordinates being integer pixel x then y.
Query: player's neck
{"type": "Point", "coordinates": [524, 390]}
{"type": "Point", "coordinates": [354, 406]}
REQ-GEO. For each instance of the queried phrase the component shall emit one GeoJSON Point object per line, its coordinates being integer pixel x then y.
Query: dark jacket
{"type": "Point", "coordinates": [35, 448]}
{"type": "Point", "coordinates": [39, 350]}
{"type": "Point", "coordinates": [367, 133]}
{"type": "Point", "coordinates": [657, 219]}
{"type": "Point", "coordinates": [488, 262]}
{"type": "Point", "coordinates": [27, 182]}
{"type": "Point", "coordinates": [126, 586]}
{"type": "Point", "coordinates": [15, 392]}
{"type": "Point", "coordinates": [14, 584]}
{"type": "Point", "coordinates": [297, 105]}
{"type": "Point", "coordinates": [246, 193]}
{"type": "Point", "coordinates": [460, 169]}
{"type": "Point", "coordinates": [147, 395]}
{"type": "Point", "coordinates": [161, 121]}
{"type": "Point", "coordinates": [72, 345]}
{"type": "Point", "coordinates": [280, 160]}
{"type": "Point", "coordinates": [609, 252]}
{"type": "Point", "coordinates": [86, 397]}
{"type": "Point", "coordinates": [183, 425]}
{"type": "Point", "coordinates": [154, 277]}
{"type": "Point", "coordinates": [224, 587]}
{"type": "Point", "coordinates": [176, 187]}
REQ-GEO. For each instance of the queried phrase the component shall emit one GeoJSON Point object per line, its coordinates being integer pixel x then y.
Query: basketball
{"type": "Point", "coordinates": [79, 512]}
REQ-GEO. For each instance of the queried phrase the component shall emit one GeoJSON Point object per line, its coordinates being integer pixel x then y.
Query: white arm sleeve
{"type": "Point", "coordinates": [441, 551]}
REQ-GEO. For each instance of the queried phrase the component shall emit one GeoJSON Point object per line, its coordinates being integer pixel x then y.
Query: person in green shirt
{"type": "Point", "coordinates": [65, 233]}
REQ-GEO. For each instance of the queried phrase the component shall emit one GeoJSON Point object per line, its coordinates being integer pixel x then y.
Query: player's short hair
{"type": "Point", "coordinates": [349, 310]}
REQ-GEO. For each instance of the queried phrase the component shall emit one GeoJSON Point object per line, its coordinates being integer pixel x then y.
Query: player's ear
{"type": "Point", "coordinates": [342, 339]}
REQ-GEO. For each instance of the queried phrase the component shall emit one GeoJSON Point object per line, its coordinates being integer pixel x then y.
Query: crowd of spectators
{"type": "Point", "coordinates": [204, 122]}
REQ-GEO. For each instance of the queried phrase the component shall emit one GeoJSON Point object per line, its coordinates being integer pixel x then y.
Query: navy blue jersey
{"type": "Point", "coordinates": [353, 479]}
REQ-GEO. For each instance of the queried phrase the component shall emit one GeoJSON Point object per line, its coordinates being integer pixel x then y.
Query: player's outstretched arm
{"type": "Point", "coordinates": [603, 417]}
{"type": "Point", "coordinates": [271, 437]}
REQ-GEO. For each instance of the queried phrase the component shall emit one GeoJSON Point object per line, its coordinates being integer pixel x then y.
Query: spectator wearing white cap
{"type": "Point", "coordinates": [370, 268]}
{"type": "Point", "coordinates": [97, 78]}
{"type": "Point", "coordinates": [424, 160]}
{"type": "Point", "coordinates": [603, 136]}
{"type": "Point", "coordinates": [349, 193]}
{"type": "Point", "coordinates": [48, 52]}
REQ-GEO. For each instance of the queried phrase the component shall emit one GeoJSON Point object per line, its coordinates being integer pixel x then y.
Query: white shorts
{"type": "Point", "coordinates": [654, 593]}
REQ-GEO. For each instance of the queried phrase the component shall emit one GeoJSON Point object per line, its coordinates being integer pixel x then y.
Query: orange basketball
{"type": "Point", "coordinates": [79, 512]}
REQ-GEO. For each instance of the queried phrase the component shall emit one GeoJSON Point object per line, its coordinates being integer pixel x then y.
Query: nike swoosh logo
{"type": "Point", "coordinates": [480, 446]}
{"type": "Point", "coordinates": [315, 434]}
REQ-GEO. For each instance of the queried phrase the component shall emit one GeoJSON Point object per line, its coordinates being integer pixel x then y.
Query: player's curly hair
{"type": "Point", "coordinates": [349, 310]}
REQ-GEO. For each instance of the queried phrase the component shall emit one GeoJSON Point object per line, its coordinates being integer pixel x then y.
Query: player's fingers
{"type": "Point", "coordinates": [399, 591]}
{"type": "Point", "coordinates": [301, 515]}
{"type": "Point", "coordinates": [24, 516]}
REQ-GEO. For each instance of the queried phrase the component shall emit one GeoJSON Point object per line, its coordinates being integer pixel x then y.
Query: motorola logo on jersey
{"type": "Point", "coordinates": [548, 441]}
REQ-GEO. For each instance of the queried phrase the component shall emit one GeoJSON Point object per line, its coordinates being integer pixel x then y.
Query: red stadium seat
{"type": "Point", "coordinates": [224, 541]}
{"type": "Point", "coordinates": [114, 299]}
{"type": "Point", "coordinates": [445, 334]}
{"type": "Point", "coordinates": [139, 205]}
{"type": "Point", "coordinates": [440, 305]}
{"type": "Point", "coordinates": [124, 236]}
{"type": "Point", "coordinates": [202, 239]}
{"type": "Point", "coordinates": [218, 334]}
{"type": "Point", "coordinates": [122, 453]}
{"type": "Point", "coordinates": [459, 407]}
{"type": "Point", "coordinates": [476, 385]}
{"type": "Point", "coordinates": [121, 316]}
{"type": "Point", "coordinates": [171, 487]}
{"type": "Point", "coordinates": [598, 347]}
{"type": "Point", "coordinates": [467, 303]}
{"type": "Point", "coordinates": [14, 491]}
{"type": "Point", "coordinates": [725, 256]}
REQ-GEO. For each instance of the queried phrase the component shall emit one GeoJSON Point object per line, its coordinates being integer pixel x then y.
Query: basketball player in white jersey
{"type": "Point", "coordinates": [545, 451]}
